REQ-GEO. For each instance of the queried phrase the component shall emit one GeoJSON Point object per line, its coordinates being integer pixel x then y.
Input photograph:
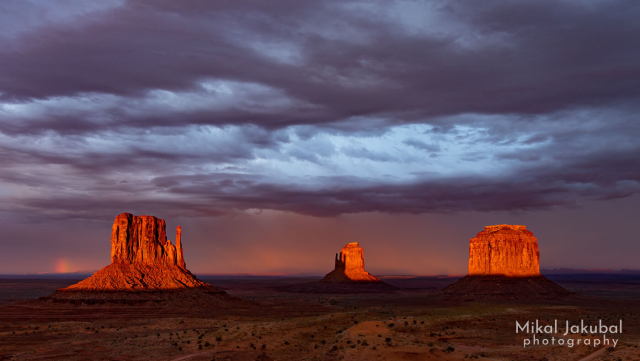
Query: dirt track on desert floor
{"type": "Point", "coordinates": [193, 356]}
{"type": "Point", "coordinates": [595, 354]}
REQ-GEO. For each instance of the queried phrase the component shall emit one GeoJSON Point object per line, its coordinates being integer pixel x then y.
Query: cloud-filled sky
{"type": "Point", "coordinates": [278, 131]}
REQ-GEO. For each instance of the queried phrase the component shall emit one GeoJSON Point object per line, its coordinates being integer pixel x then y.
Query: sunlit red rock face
{"type": "Point", "coordinates": [143, 240]}
{"type": "Point", "coordinates": [138, 277]}
{"type": "Point", "coordinates": [349, 266]}
{"type": "Point", "coordinates": [142, 259]}
{"type": "Point", "coordinates": [504, 262]}
{"type": "Point", "coordinates": [504, 250]}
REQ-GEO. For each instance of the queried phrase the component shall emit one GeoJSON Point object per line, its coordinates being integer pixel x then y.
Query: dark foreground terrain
{"type": "Point", "coordinates": [414, 322]}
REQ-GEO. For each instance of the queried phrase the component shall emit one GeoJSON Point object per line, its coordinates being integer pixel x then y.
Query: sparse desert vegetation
{"type": "Point", "coordinates": [417, 324]}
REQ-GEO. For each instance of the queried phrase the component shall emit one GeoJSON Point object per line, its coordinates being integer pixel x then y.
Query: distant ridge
{"type": "Point", "coordinates": [50, 275]}
{"type": "Point", "coordinates": [562, 270]}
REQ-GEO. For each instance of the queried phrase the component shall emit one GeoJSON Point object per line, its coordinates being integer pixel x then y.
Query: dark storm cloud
{"type": "Point", "coordinates": [608, 176]}
{"type": "Point", "coordinates": [129, 155]}
{"type": "Point", "coordinates": [163, 104]}
{"type": "Point", "coordinates": [525, 58]}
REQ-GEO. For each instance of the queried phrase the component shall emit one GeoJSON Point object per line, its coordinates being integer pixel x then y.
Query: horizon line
{"type": "Point", "coordinates": [312, 275]}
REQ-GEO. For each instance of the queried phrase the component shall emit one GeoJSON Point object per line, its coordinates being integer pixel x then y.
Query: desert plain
{"type": "Point", "coordinates": [414, 322]}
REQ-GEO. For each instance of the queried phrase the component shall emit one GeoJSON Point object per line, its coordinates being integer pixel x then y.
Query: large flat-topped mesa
{"type": "Point", "coordinates": [504, 249]}
{"type": "Point", "coordinates": [349, 266]}
{"type": "Point", "coordinates": [143, 240]}
{"type": "Point", "coordinates": [504, 262]}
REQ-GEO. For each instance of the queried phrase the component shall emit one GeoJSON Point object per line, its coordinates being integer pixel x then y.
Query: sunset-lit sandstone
{"type": "Point", "coordinates": [349, 266]}
{"type": "Point", "coordinates": [504, 250]}
{"type": "Point", "coordinates": [142, 259]}
{"type": "Point", "coordinates": [504, 261]}
{"type": "Point", "coordinates": [143, 240]}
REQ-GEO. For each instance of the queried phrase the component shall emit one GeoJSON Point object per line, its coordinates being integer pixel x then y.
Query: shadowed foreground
{"type": "Point", "coordinates": [415, 322]}
{"type": "Point", "coordinates": [504, 287]}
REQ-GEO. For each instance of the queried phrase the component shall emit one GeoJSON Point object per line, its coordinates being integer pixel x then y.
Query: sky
{"type": "Point", "coordinates": [275, 132]}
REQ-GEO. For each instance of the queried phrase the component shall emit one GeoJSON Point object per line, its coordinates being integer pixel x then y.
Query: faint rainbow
{"type": "Point", "coordinates": [62, 265]}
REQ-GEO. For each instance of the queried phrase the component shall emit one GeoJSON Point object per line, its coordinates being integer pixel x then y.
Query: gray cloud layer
{"type": "Point", "coordinates": [198, 107]}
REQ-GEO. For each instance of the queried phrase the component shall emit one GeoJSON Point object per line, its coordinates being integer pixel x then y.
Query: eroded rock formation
{"type": "Point", "coordinates": [349, 266]}
{"type": "Point", "coordinates": [504, 262]}
{"type": "Point", "coordinates": [179, 249]}
{"type": "Point", "coordinates": [504, 250]}
{"type": "Point", "coordinates": [142, 259]}
{"type": "Point", "coordinates": [143, 240]}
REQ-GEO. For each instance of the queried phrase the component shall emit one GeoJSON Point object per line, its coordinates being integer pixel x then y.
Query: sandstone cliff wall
{"type": "Point", "coordinates": [504, 250]}
{"type": "Point", "coordinates": [143, 240]}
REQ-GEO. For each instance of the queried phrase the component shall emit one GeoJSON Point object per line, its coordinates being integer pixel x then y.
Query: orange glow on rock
{"type": "Point", "coordinates": [504, 250]}
{"type": "Point", "coordinates": [142, 260]}
{"type": "Point", "coordinates": [349, 266]}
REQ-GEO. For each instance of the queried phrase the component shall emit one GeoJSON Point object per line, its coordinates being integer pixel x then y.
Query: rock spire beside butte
{"type": "Point", "coordinates": [143, 263]}
{"type": "Point", "coordinates": [349, 266]}
{"type": "Point", "coordinates": [504, 261]}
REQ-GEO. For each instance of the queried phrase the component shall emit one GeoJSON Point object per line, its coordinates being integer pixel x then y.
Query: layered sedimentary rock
{"type": "Point", "coordinates": [143, 240]}
{"type": "Point", "coordinates": [142, 259]}
{"type": "Point", "coordinates": [504, 250]}
{"type": "Point", "coordinates": [349, 266]}
{"type": "Point", "coordinates": [504, 262]}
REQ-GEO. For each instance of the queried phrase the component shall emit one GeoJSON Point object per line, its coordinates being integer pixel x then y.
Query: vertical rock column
{"type": "Point", "coordinates": [179, 249]}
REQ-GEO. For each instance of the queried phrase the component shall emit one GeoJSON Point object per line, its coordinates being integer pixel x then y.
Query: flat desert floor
{"type": "Point", "coordinates": [413, 323]}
